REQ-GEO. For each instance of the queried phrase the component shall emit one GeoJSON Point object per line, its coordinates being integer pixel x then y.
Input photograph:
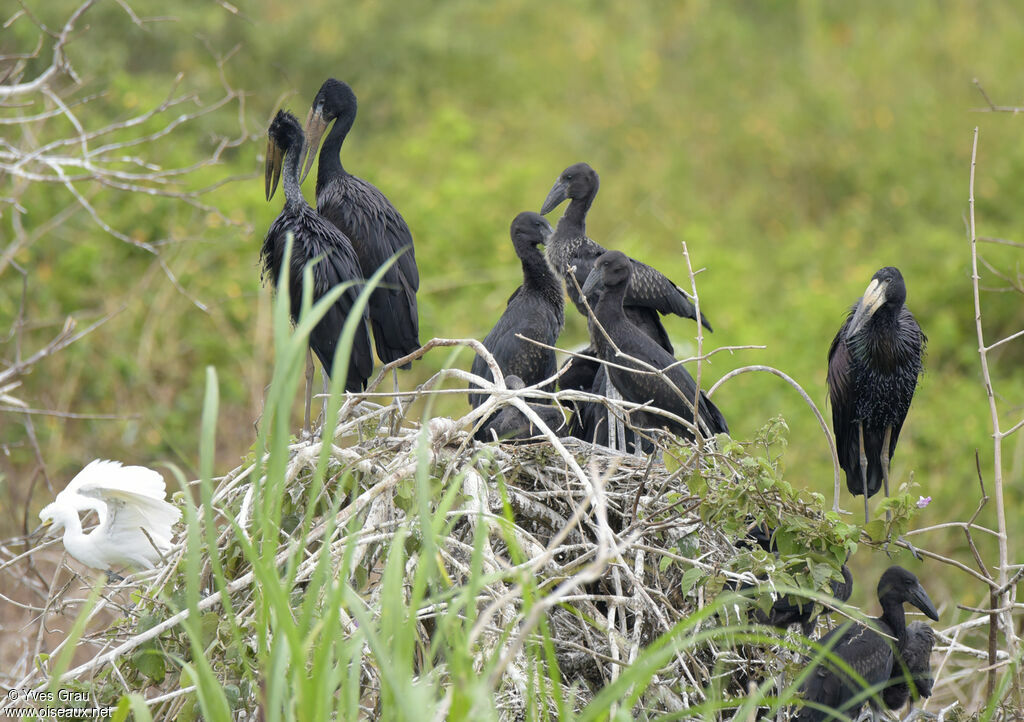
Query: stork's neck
{"type": "Point", "coordinates": [882, 341]}
{"type": "Point", "coordinates": [885, 319]}
{"type": "Point", "coordinates": [290, 176]}
{"type": "Point", "coordinates": [609, 312]}
{"type": "Point", "coordinates": [330, 153]}
{"type": "Point", "coordinates": [894, 616]}
{"type": "Point", "coordinates": [573, 223]}
{"type": "Point", "coordinates": [537, 273]}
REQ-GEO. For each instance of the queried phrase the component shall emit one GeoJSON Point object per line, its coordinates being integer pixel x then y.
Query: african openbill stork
{"type": "Point", "coordinates": [621, 343]}
{"type": "Point", "coordinates": [873, 365]}
{"type": "Point", "coordinates": [365, 215]}
{"type": "Point", "coordinates": [865, 650]}
{"type": "Point", "coordinates": [315, 240]}
{"type": "Point", "coordinates": [573, 254]}
{"type": "Point", "coordinates": [535, 310]}
{"type": "Point", "coordinates": [916, 668]}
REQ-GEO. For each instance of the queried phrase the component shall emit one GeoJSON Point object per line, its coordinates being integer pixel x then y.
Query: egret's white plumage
{"type": "Point", "coordinates": [127, 500]}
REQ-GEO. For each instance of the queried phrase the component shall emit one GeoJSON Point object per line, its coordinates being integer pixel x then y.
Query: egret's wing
{"type": "Point", "coordinates": [121, 541]}
{"type": "Point", "coordinates": [126, 508]}
{"type": "Point", "coordinates": [126, 498]}
{"type": "Point", "coordinates": [137, 532]}
{"type": "Point", "coordinates": [100, 477]}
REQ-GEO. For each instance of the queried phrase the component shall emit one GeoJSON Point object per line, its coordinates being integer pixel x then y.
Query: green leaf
{"type": "Point", "coordinates": [875, 530]}
{"type": "Point", "coordinates": [787, 542]}
{"type": "Point", "coordinates": [821, 574]}
{"type": "Point", "coordinates": [121, 711]}
{"type": "Point", "coordinates": [150, 663]}
{"type": "Point", "coordinates": [689, 580]}
{"type": "Point", "coordinates": [211, 620]}
{"type": "Point", "coordinates": [233, 695]}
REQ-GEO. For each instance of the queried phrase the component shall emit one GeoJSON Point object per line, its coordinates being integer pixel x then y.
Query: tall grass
{"type": "Point", "coordinates": [318, 632]}
{"type": "Point", "coordinates": [309, 643]}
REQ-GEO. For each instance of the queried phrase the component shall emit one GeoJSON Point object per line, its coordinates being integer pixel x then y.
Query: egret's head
{"type": "Point", "coordinates": [52, 517]}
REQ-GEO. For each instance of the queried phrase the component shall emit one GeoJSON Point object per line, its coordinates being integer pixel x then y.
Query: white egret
{"type": "Point", "coordinates": [134, 518]}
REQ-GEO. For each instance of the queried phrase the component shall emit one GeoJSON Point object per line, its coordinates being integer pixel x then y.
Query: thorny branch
{"type": "Point", "coordinates": [1003, 597]}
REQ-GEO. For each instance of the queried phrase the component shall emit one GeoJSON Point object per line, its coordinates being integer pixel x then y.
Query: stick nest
{"type": "Point", "coordinates": [615, 550]}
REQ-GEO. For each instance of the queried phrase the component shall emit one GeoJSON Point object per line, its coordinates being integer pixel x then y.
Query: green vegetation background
{"type": "Point", "coordinates": [795, 146]}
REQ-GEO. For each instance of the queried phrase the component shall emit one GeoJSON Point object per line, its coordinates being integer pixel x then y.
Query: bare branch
{"type": "Point", "coordinates": [1000, 596]}
{"type": "Point", "coordinates": [817, 414]}
{"type": "Point", "coordinates": [57, 65]}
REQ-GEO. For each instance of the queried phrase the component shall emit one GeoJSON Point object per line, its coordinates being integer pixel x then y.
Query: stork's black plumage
{"type": "Point", "coordinates": [610, 277]}
{"type": "Point", "coordinates": [915, 655]}
{"type": "Point", "coordinates": [584, 373]}
{"type": "Point", "coordinates": [650, 293]}
{"type": "Point", "coordinates": [578, 372]}
{"type": "Point", "coordinates": [873, 365]}
{"type": "Point", "coordinates": [314, 238]}
{"type": "Point", "coordinates": [590, 418]}
{"type": "Point", "coordinates": [366, 216]}
{"type": "Point", "coordinates": [535, 311]}
{"type": "Point", "coordinates": [511, 424]}
{"type": "Point", "coordinates": [790, 609]}
{"type": "Point", "coordinates": [864, 649]}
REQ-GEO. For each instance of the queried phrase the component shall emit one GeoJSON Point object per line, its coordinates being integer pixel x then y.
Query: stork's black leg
{"type": "Point", "coordinates": [863, 470]}
{"type": "Point", "coordinates": [885, 465]}
{"type": "Point", "coordinates": [323, 407]}
{"type": "Point", "coordinates": [309, 391]}
{"type": "Point", "coordinates": [885, 481]}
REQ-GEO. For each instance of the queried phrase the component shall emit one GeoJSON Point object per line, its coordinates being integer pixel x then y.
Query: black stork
{"type": "Point", "coordinates": [788, 609]}
{"type": "Point", "coordinates": [621, 343]}
{"type": "Point", "coordinates": [368, 218]}
{"type": "Point", "coordinates": [535, 311]}
{"type": "Point", "coordinates": [791, 609]}
{"type": "Point", "coordinates": [873, 365]}
{"type": "Point", "coordinates": [511, 425]}
{"type": "Point", "coordinates": [315, 240]}
{"type": "Point", "coordinates": [916, 668]}
{"type": "Point", "coordinates": [828, 691]}
{"type": "Point", "coordinates": [573, 254]}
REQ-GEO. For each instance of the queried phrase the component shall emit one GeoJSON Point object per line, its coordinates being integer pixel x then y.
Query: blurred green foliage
{"type": "Point", "coordinates": [796, 147]}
